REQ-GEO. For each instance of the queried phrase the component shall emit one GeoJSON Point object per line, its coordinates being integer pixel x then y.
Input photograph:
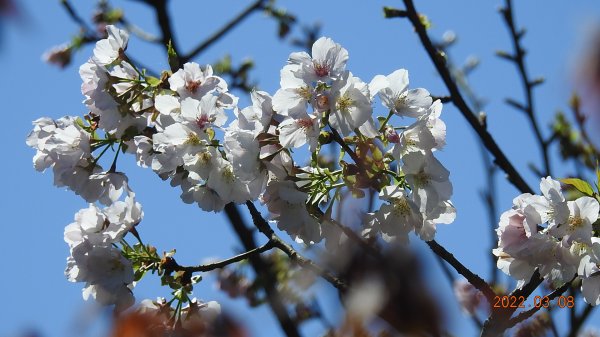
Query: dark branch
{"type": "Point", "coordinates": [163, 20]}
{"type": "Point", "coordinates": [473, 278]}
{"type": "Point", "coordinates": [75, 17]}
{"type": "Point", "coordinates": [519, 60]}
{"type": "Point", "coordinates": [578, 323]}
{"type": "Point", "coordinates": [440, 64]}
{"type": "Point", "coordinates": [264, 270]}
{"type": "Point", "coordinates": [224, 263]}
{"type": "Point", "coordinates": [258, 4]}
{"type": "Point", "coordinates": [526, 314]}
{"type": "Point", "coordinates": [264, 228]}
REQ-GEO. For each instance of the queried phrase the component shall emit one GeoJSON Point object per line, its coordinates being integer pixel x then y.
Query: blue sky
{"type": "Point", "coordinates": [34, 290]}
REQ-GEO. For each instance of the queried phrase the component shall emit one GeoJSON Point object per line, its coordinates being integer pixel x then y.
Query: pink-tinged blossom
{"type": "Point", "coordinates": [174, 145]}
{"type": "Point", "coordinates": [223, 180]}
{"type": "Point", "coordinates": [206, 198]}
{"type": "Point", "coordinates": [468, 296]}
{"type": "Point", "coordinates": [293, 133]}
{"type": "Point", "coordinates": [243, 152]}
{"type": "Point", "coordinates": [589, 271]}
{"type": "Point", "coordinates": [59, 55]}
{"type": "Point", "coordinates": [104, 226]}
{"type": "Point", "coordinates": [196, 82]}
{"type": "Point", "coordinates": [428, 178]}
{"type": "Point", "coordinates": [328, 61]}
{"type": "Point", "coordinates": [199, 115]}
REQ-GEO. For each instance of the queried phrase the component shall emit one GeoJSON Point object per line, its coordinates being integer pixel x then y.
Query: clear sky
{"type": "Point", "coordinates": [33, 289]}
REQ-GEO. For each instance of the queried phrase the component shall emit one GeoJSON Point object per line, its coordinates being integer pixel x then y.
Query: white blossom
{"type": "Point", "coordinates": [109, 50]}
{"type": "Point", "coordinates": [395, 95]}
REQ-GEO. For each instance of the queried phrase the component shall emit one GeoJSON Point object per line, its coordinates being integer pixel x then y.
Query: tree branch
{"type": "Point", "coordinates": [75, 17]}
{"type": "Point", "coordinates": [224, 263]}
{"type": "Point", "coordinates": [264, 228]}
{"type": "Point", "coordinates": [258, 4]}
{"type": "Point", "coordinates": [163, 20]}
{"type": "Point", "coordinates": [580, 320]}
{"type": "Point", "coordinates": [440, 64]}
{"type": "Point", "coordinates": [473, 278]}
{"type": "Point", "coordinates": [264, 270]}
{"type": "Point", "coordinates": [519, 60]}
{"type": "Point", "coordinates": [526, 314]}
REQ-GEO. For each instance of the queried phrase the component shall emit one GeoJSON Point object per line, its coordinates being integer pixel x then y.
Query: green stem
{"type": "Point", "coordinates": [387, 119]}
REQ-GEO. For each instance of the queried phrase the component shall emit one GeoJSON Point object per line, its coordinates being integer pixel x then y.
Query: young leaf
{"type": "Point", "coordinates": [580, 185]}
{"type": "Point", "coordinates": [173, 58]}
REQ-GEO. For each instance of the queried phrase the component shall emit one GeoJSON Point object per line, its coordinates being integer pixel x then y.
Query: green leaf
{"type": "Point", "coordinates": [597, 177]}
{"type": "Point", "coordinates": [580, 185]}
{"type": "Point", "coordinates": [173, 58]}
{"type": "Point", "coordinates": [153, 81]}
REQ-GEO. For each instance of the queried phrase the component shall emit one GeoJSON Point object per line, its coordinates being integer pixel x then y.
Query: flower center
{"type": "Point", "coordinates": [575, 222]}
{"type": "Point", "coordinates": [304, 123]}
{"type": "Point", "coordinates": [422, 179]}
{"type": "Point", "coordinates": [321, 70]}
{"type": "Point", "coordinates": [192, 139]}
{"type": "Point", "coordinates": [304, 92]}
{"type": "Point", "coordinates": [344, 103]}
{"type": "Point", "coordinates": [400, 101]}
{"type": "Point", "coordinates": [228, 175]}
{"type": "Point", "coordinates": [192, 86]}
{"type": "Point", "coordinates": [202, 121]}
{"type": "Point", "coordinates": [204, 157]}
{"type": "Point", "coordinates": [401, 207]}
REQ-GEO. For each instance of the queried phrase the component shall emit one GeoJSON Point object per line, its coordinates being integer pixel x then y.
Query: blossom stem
{"type": "Point", "coordinates": [113, 167]}
{"type": "Point", "coordinates": [106, 147]}
{"type": "Point", "coordinates": [387, 119]}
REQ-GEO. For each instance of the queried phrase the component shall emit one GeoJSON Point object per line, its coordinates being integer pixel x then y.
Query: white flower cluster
{"type": "Point", "coordinates": [177, 126]}
{"type": "Point", "coordinates": [548, 233]}
{"type": "Point", "coordinates": [66, 146]}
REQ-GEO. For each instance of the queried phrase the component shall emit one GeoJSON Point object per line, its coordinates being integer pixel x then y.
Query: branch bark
{"type": "Point", "coordinates": [258, 4]}
{"type": "Point", "coordinates": [519, 60]}
{"type": "Point", "coordinates": [440, 64]}
{"type": "Point", "coordinates": [263, 270]}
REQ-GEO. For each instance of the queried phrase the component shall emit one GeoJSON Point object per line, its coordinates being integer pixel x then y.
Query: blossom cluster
{"type": "Point", "coordinates": [555, 236]}
{"type": "Point", "coordinates": [177, 125]}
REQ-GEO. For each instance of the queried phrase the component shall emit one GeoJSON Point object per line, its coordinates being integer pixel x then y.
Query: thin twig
{"type": "Point", "coordinates": [224, 263]}
{"type": "Point", "coordinates": [264, 270]}
{"type": "Point", "coordinates": [473, 278]}
{"type": "Point", "coordinates": [518, 58]}
{"type": "Point", "coordinates": [258, 4]}
{"type": "Point", "coordinates": [580, 320]}
{"type": "Point", "coordinates": [526, 314]}
{"type": "Point", "coordinates": [75, 16]}
{"type": "Point", "coordinates": [440, 64]}
{"type": "Point", "coordinates": [451, 279]}
{"type": "Point", "coordinates": [163, 20]}
{"type": "Point", "coordinates": [264, 228]}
